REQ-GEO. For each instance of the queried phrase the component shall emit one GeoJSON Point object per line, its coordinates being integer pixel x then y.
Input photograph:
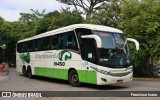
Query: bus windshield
{"type": "Point", "coordinates": [114, 52]}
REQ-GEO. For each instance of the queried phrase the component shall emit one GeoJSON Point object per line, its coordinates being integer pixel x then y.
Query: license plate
{"type": "Point", "coordinates": [119, 81]}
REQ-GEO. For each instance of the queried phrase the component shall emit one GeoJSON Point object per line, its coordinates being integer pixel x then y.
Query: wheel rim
{"type": "Point", "coordinates": [75, 78]}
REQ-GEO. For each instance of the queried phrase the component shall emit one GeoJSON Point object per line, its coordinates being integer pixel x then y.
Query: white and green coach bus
{"type": "Point", "coordinates": [80, 53]}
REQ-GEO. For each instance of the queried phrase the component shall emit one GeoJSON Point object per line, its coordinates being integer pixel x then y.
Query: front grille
{"type": "Point", "coordinates": [119, 74]}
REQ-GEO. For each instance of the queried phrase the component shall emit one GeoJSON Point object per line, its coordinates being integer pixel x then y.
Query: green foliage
{"type": "Point", "coordinates": [140, 20]}
{"type": "Point", "coordinates": [89, 7]}
{"type": "Point", "coordinates": [6, 39]}
{"type": "Point", "coordinates": [44, 24]}
{"type": "Point", "coordinates": [28, 23]}
{"type": "Point", "coordinates": [56, 19]}
{"type": "Point", "coordinates": [108, 15]}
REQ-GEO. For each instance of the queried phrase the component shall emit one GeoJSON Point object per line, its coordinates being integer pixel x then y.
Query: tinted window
{"type": "Point", "coordinates": [79, 33]}
{"type": "Point", "coordinates": [38, 44]}
{"type": "Point", "coordinates": [69, 41]}
{"type": "Point", "coordinates": [82, 42]}
{"type": "Point", "coordinates": [89, 52]}
{"type": "Point", "coordinates": [60, 41]}
{"type": "Point", "coordinates": [19, 47]}
{"type": "Point", "coordinates": [56, 42]}
{"type": "Point", "coordinates": [33, 45]}
{"type": "Point", "coordinates": [24, 47]}
{"type": "Point", "coordinates": [29, 46]}
{"type": "Point", "coordinates": [46, 43]}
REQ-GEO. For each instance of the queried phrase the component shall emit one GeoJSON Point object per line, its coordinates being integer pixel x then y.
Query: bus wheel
{"type": "Point", "coordinates": [73, 78]}
{"type": "Point", "coordinates": [29, 72]}
{"type": "Point", "coordinates": [24, 71]}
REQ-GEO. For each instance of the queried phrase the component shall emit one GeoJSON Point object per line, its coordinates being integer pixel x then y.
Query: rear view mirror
{"type": "Point", "coordinates": [97, 38]}
{"type": "Point", "coordinates": [135, 41]}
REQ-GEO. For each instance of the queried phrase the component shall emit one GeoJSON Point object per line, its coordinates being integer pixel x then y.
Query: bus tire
{"type": "Point", "coordinates": [29, 72]}
{"type": "Point", "coordinates": [73, 78]}
{"type": "Point", "coordinates": [24, 71]}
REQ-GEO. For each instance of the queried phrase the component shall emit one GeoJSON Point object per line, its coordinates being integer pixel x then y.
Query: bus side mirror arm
{"type": "Point", "coordinates": [135, 41]}
{"type": "Point", "coordinates": [95, 37]}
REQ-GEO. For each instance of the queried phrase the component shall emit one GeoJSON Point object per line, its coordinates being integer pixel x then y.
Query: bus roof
{"type": "Point", "coordinates": [72, 27]}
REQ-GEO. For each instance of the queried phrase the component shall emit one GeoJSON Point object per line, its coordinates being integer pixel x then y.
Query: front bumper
{"type": "Point", "coordinates": [103, 79]}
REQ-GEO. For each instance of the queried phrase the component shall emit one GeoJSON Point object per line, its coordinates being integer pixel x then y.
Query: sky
{"type": "Point", "coordinates": [10, 9]}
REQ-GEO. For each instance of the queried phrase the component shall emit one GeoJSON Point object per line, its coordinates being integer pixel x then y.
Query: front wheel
{"type": "Point", "coordinates": [73, 78]}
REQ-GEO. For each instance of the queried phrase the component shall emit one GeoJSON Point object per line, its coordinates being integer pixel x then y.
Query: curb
{"type": "Point", "coordinates": [146, 79]}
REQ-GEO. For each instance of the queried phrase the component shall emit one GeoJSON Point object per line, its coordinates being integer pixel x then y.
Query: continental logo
{"type": "Point", "coordinates": [25, 57]}
{"type": "Point", "coordinates": [65, 55]}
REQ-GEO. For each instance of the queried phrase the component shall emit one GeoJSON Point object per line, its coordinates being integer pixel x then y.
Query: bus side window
{"type": "Point", "coordinates": [38, 44]}
{"type": "Point", "coordinates": [25, 45]}
{"type": "Point", "coordinates": [80, 32]}
{"type": "Point", "coordinates": [29, 46]}
{"type": "Point", "coordinates": [46, 43]}
{"type": "Point", "coordinates": [22, 47]}
{"type": "Point", "coordinates": [19, 47]}
{"type": "Point", "coordinates": [54, 42]}
{"type": "Point", "coordinates": [60, 41]}
{"type": "Point", "coordinates": [70, 41]}
{"type": "Point", "coordinates": [33, 45]}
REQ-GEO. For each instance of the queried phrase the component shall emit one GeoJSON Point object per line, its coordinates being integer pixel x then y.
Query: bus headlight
{"type": "Point", "coordinates": [130, 68]}
{"type": "Point", "coordinates": [101, 71]}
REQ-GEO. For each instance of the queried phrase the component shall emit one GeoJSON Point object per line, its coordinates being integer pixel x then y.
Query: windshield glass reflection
{"type": "Point", "coordinates": [114, 51]}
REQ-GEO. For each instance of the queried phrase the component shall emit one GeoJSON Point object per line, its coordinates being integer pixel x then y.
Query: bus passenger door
{"type": "Point", "coordinates": [89, 54]}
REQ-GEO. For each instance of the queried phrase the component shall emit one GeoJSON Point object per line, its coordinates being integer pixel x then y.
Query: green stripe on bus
{"type": "Point", "coordinates": [52, 72]}
{"type": "Point", "coordinates": [84, 76]}
{"type": "Point", "coordinates": [87, 76]}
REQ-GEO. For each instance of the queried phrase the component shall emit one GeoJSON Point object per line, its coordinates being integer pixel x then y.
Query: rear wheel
{"type": "Point", "coordinates": [29, 72]}
{"type": "Point", "coordinates": [24, 71]}
{"type": "Point", "coordinates": [73, 78]}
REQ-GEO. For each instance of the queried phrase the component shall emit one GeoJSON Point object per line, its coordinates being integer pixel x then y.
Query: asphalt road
{"type": "Point", "coordinates": [17, 82]}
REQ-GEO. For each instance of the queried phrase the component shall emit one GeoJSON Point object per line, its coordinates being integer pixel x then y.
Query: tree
{"type": "Point", "coordinates": [27, 18]}
{"type": "Point", "coordinates": [108, 15]}
{"type": "Point", "coordinates": [44, 24]}
{"type": "Point", "coordinates": [88, 6]}
{"type": "Point", "coordinates": [11, 32]}
{"type": "Point", "coordinates": [28, 23]}
{"type": "Point", "coordinates": [56, 19]}
{"type": "Point", "coordinates": [140, 20]}
{"type": "Point", "coordinates": [7, 44]}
